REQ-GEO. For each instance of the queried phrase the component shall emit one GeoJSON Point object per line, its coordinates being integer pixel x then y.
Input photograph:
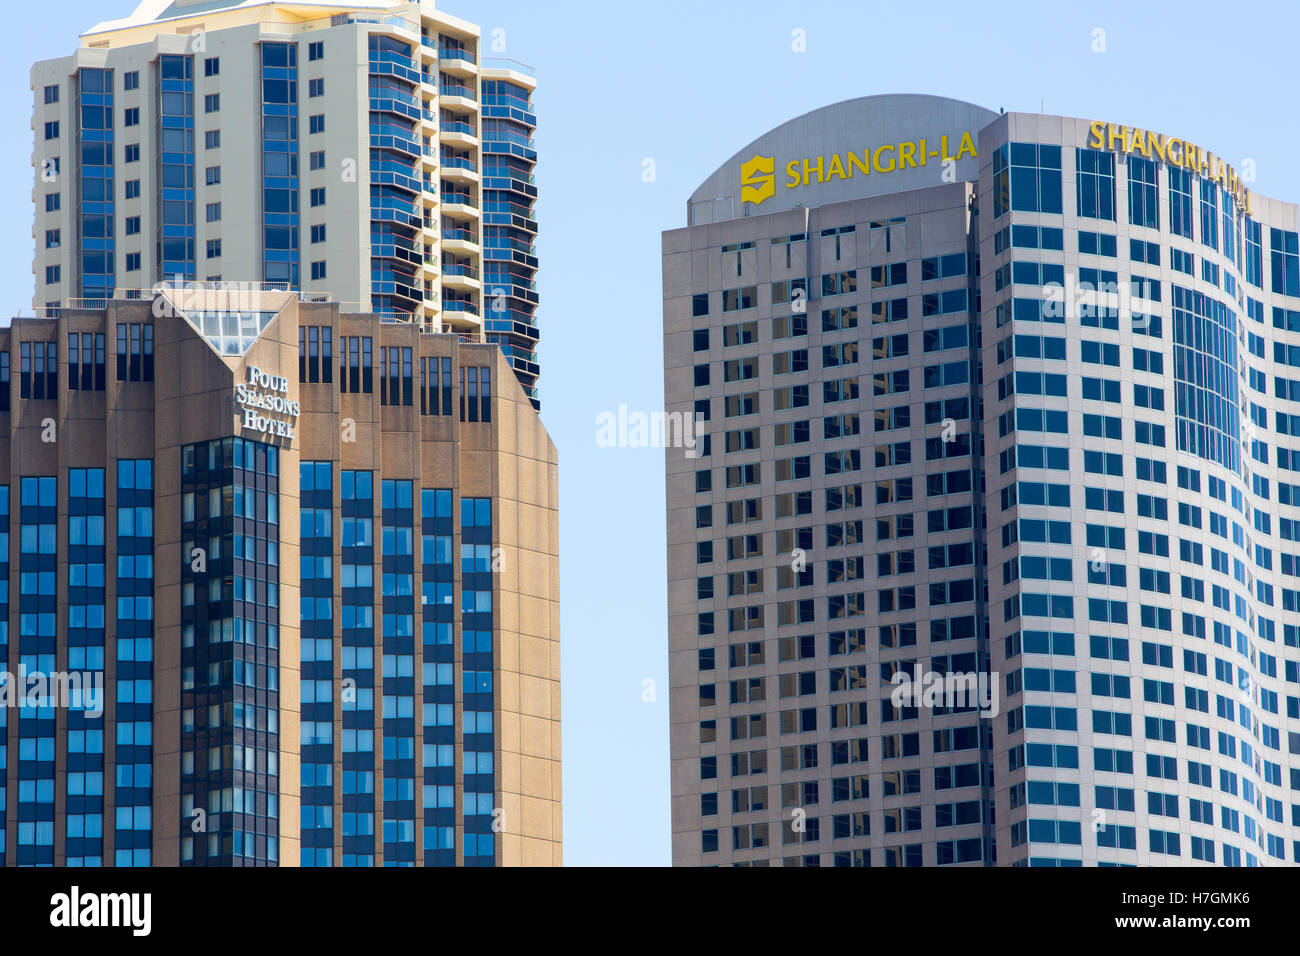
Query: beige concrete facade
{"type": "Point", "coordinates": [510, 459]}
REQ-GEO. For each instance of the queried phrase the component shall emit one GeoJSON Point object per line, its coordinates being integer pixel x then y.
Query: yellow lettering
{"type": "Point", "coordinates": [837, 168]}
{"type": "Point", "coordinates": [875, 159]}
{"type": "Point", "coordinates": [923, 153]}
{"type": "Point", "coordinates": [967, 146]}
{"type": "Point", "coordinates": [1156, 144]}
{"type": "Point", "coordinates": [792, 170]}
{"type": "Point", "coordinates": [1098, 130]}
{"type": "Point", "coordinates": [906, 155]}
{"type": "Point", "coordinates": [1175, 155]}
{"type": "Point", "coordinates": [807, 170]}
{"type": "Point", "coordinates": [943, 149]}
{"type": "Point", "coordinates": [1114, 133]}
{"type": "Point", "coordinates": [1139, 144]}
{"type": "Point", "coordinates": [863, 164]}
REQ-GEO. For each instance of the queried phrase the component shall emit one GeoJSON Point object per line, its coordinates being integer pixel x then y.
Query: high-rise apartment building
{"type": "Point", "coordinates": [364, 149]}
{"type": "Point", "coordinates": [283, 605]}
{"type": "Point", "coordinates": [990, 554]}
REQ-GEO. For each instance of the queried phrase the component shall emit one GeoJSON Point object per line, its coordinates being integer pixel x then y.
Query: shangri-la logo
{"type": "Point", "coordinates": [758, 179]}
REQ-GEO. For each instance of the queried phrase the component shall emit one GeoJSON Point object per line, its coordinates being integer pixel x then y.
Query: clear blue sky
{"type": "Point", "coordinates": [687, 84]}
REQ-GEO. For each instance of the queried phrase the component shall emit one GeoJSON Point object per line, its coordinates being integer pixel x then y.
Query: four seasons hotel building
{"type": "Point", "coordinates": [1006, 401]}
{"type": "Point", "coordinates": [312, 557]}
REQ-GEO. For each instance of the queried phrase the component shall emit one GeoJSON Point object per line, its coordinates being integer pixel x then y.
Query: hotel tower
{"type": "Point", "coordinates": [280, 525]}
{"type": "Point", "coordinates": [991, 554]}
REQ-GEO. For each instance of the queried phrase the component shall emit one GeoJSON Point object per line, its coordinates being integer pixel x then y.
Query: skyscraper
{"type": "Point", "coordinates": [364, 149]}
{"type": "Point", "coordinates": [283, 549]}
{"type": "Point", "coordinates": [989, 556]}
{"type": "Point", "coordinates": [311, 605]}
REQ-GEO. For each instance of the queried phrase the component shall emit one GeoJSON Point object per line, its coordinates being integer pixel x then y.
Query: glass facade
{"type": "Point", "coordinates": [357, 557]}
{"type": "Point", "coordinates": [398, 570]}
{"type": "Point", "coordinates": [176, 157]}
{"type": "Point", "coordinates": [437, 610]}
{"type": "Point", "coordinates": [396, 252]}
{"type": "Point", "coordinates": [510, 226]}
{"type": "Point", "coordinates": [316, 567]}
{"type": "Point", "coordinates": [477, 693]}
{"type": "Point", "coordinates": [96, 183]}
{"type": "Point", "coordinates": [280, 218]}
{"type": "Point", "coordinates": [230, 647]}
{"type": "Point", "coordinates": [133, 683]}
{"type": "Point", "coordinates": [86, 649]}
{"type": "Point", "coordinates": [37, 652]}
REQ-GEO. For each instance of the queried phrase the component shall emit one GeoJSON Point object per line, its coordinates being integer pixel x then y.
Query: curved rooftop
{"type": "Point", "coordinates": [887, 128]}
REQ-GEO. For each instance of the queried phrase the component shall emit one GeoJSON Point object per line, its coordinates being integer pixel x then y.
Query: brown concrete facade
{"type": "Point", "coordinates": [510, 459]}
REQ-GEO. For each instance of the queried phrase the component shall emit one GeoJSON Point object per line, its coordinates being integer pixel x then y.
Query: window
{"type": "Point", "coordinates": [214, 248]}
{"type": "Point", "coordinates": [51, 94]}
{"type": "Point", "coordinates": [1180, 201]}
{"type": "Point", "coordinates": [52, 130]}
{"type": "Point", "coordinates": [4, 381]}
{"type": "Point", "coordinates": [133, 262]}
{"type": "Point", "coordinates": [1143, 198]}
{"type": "Point", "coordinates": [135, 352]}
{"type": "Point", "coordinates": [214, 212]}
{"type": "Point", "coordinates": [1027, 178]}
{"type": "Point", "coordinates": [316, 354]}
{"type": "Point", "coordinates": [212, 66]}
{"type": "Point", "coordinates": [38, 370]}
{"type": "Point", "coordinates": [133, 189]}
{"type": "Point", "coordinates": [212, 139]}
{"type": "Point", "coordinates": [1284, 248]}
{"type": "Point", "coordinates": [316, 87]}
{"type": "Point", "coordinates": [131, 80]}
{"type": "Point", "coordinates": [131, 153]}
{"type": "Point", "coordinates": [1095, 185]}
{"type": "Point", "coordinates": [355, 371]}
{"type": "Point", "coordinates": [475, 394]}
{"type": "Point", "coordinates": [86, 361]}
{"type": "Point", "coordinates": [318, 270]}
{"type": "Point", "coordinates": [318, 233]}
{"type": "Point", "coordinates": [131, 116]}
{"type": "Point", "coordinates": [316, 50]}
{"type": "Point", "coordinates": [53, 274]}
{"type": "Point", "coordinates": [395, 375]}
{"type": "Point", "coordinates": [316, 124]}
{"type": "Point", "coordinates": [52, 202]}
{"type": "Point", "coordinates": [213, 175]}
{"type": "Point", "coordinates": [435, 386]}
{"type": "Point", "coordinates": [318, 196]}
{"type": "Point", "coordinates": [212, 103]}
{"type": "Point", "coordinates": [133, 225]}
{"type": "Point", "coordinates": [53, 238]}
{"type": "Point", "coordinates": [317, 159]}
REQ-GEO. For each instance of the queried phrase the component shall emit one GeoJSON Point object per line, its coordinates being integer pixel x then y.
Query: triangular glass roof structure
{"type": "Point", "coordinates": [230, 334]}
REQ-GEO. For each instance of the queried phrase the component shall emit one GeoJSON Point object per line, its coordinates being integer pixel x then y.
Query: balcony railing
{"type": "Point", "coordinates": [458, 234]}
{"type": "Point", "coordinates": [451, 53]}
{"type": "Point", "coordinates": [501, 63]}
{"type": "Point", "coordinates": [455, 89]}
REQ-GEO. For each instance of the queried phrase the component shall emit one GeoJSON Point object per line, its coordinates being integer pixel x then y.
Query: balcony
{"type": "Point", "coordinates": [458, 238]}
{"type": "Point", "coordinates": [456, 89]}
